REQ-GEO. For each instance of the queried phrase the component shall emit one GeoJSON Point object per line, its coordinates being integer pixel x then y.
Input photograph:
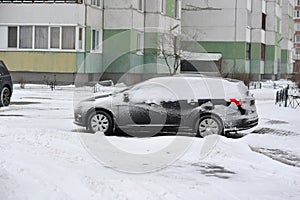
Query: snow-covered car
{"type": "Point", "coordinates": [6, 85]}
{"type": "Point", "coordinates": [199, 104]}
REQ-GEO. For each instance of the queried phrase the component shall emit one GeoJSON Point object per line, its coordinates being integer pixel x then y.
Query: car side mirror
{"type": "Point", "coordinates": [126, 97]}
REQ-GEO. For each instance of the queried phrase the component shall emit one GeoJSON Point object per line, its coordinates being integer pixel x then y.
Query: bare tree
{"type": "Point", "coordinates": [170, 50]}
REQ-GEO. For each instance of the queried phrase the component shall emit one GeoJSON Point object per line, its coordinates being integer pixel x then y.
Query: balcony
{"type": "Point", "coordinates": [296, 56]}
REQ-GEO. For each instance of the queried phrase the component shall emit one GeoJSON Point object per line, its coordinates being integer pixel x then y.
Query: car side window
{"type": "Point", "coordinates": [151, 92]}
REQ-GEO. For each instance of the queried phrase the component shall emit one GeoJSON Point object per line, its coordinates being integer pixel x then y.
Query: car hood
{"type": "Point", "coordinates": [104, 101]}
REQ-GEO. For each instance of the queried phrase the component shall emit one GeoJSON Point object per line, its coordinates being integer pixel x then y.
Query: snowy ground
{"type": "Point", "coordinates": [44, 156]}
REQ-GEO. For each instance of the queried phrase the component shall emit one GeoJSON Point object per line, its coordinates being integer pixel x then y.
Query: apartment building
{"type": "Point", "coordinates": [297, 37]}
{"type": "Point", "coordinates": [287, 38]}
{"type": "Point", "coordinates": [61, 39]}
{"type": "Point", "coordinates": [246, 33]}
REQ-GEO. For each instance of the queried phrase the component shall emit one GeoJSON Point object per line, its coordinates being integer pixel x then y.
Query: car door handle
{"type": "Point", "coordinates": [151, 103]}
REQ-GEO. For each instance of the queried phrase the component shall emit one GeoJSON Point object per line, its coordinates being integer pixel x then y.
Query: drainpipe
{"type": "Point", "coordinates": [102, 42]}
{"type": "Point", "coordinates": [235, 35]}
{"type": "Point", "coordinates": [144, 51]}
{"type": "Point", "coordinates": [85, 25]}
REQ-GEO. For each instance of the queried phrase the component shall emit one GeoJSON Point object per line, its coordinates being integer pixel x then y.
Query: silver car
{"type": "Point", "coordinates": [198, 104]}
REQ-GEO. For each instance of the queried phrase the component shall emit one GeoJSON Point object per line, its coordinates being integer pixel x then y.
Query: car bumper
{"type": "Point", "coordinates": [241, 124]}
{"type": "Point", "coordinates": [79, 119]}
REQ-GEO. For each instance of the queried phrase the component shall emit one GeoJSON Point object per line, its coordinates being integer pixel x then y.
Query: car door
{"type": "Point", "coordinates": [173, 110]}
{"type": "Point", "coordinates": [141, 107]}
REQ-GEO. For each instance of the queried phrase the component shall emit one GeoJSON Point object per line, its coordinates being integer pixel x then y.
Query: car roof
{"type": "Point", "coordinates": [189, 77]}
{"type": "Point", "coordinates": [193, 87]}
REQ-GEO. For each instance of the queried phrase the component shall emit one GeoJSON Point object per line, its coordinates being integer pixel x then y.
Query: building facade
{"type": "Point", "coordinates": [297, 37]}
{"type": "Point", "coordinates": [251, 35]}
{"type": "Point", "coordinates": [61, 39]}
{"type": "Point", "coordinates": [287, 38]}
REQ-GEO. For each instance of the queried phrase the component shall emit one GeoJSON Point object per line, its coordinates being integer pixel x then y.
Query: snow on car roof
{"type": "Point", "coordinates": [181, 87]}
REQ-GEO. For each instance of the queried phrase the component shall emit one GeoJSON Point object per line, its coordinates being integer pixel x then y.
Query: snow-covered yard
{"type": "Point", "coordinates": [44, 156]}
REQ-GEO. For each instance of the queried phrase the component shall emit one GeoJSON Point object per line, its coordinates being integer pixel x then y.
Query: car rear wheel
{"type": "Point", "coordinates": [5, 96]}
{"type": "Point", "coordinates": [100, 121]}
{"type": "Point", "coordinates": [209, 125]}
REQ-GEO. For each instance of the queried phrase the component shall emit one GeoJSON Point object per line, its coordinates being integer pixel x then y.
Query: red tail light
{"type": "Point", "coordinates": [236, 101]}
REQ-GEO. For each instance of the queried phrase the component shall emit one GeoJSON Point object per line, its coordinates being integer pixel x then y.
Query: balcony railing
{"type": "Point", "coordinates": [41, 1]}
{"type": "Point", "coordinates": [296, 57]}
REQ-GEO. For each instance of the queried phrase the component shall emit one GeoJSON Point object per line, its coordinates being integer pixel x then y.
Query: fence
{"type": "Point", "coordinates": [288, 97]}
{"type": "Point", "coordinates": [255, 85]}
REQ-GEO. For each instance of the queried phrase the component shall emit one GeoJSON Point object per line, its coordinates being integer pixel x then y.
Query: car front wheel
{"type": "Point", "coordinates": [5, 96]}
{"type": "Point", "coordinates": [100, 122]}
{"type": "Point", "coordinates": [209, 125]}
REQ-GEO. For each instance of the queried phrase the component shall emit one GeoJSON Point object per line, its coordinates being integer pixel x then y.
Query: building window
{"type": "Point", "coordinates": [41, 37]}
{"type": "Point", "coordinates": [297, 50]}
{"type": "Point", "coordinates": [80, 41]}
{"type": "Point", "coordinates": [68, 37]}
{"type": "Point", "coordinates": [12, 37]}
{"type": "Point", "coordinates": [297, 26]}
{"type": "Point", "coordinates": [25, 36]}
{"type": "Point", "coordinates": [297, 38]}
{"type": "Point", "coordinates": [263, 21]}
{"type": "Point", "coordinates": [297, 14]}
{"type": "Point", "coordinates": [297, 2]}
{"type": "Point", "coordinates": [290, 10]}
{"type": "Point", "coordinates": [140, 43]}
{"type": "Point", "coordinates": [163, 7]}
{"type": "Point", "coordinates": [249, 5]}
{"type": "Point", "coordinates": [95, 40]}
{"type": "Point", "coordinates": [54, 37]}
{"type": "Point", "coordinates": [44, 37]}
{"type": "Point", "coordinates": [264, 6]}
{"type": "Point", "coordinates": [178, 9]}
{"type": "Point", "coordinates": [96, 3]}
{"type": "Point", "coordinates": [248, 51]}
{"type": "Point", "coordinates": [263, 52]}
{"type": "Point", "coordinates": [141, 5]}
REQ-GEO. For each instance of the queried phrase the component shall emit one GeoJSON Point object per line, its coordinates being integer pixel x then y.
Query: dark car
{"type": "Point", "coordinates": [6, 85]}
{"type": "Point", "coordinates": [201, 105]}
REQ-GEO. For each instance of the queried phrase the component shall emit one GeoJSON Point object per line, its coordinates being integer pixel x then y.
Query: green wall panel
{"type": "Point", "coordinates": [284, 56]}
{"type": "Point", "coordinates": [255, 51]}
{"type": "Point", "coordinates": [229, 50]}
{"type": "Point", "coordinates": [284, 68]}
{"type": "Point", "coordinates": [171, 8]}
{"type": "Point", "coordinates": [127, 63]}
{"type": "Point", "coordinates": [269, 67]}
{"type": "Point", "coordinates": [88, 39]}
{"type": "Point", "coordinates": [151, 43]}
{"type": "Point", "coordinates": [119, 52]}
{"type": "Point", "coordinates": [270, 53]}
{"type": "Point", "coordinates": [137, 63]}
{"type": "Point", "coordinates": [255, 66]}
{"type": "Point", "coordinates": [92, 64]}
{"type": "Point", "coordinates": [108, 33]}
{"type": "Point", "coordinates": [116, 46]}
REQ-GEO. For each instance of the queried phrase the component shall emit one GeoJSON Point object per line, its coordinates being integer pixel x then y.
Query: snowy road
{"type": "Point", "coordinates": [42, 156]}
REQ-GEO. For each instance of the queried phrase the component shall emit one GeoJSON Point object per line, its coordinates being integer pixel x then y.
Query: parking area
{"type": "Point", "coordinates": [42, 150]}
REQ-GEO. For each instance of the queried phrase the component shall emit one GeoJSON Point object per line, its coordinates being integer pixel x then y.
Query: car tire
{"type": "Point", "coordinates": [209, 125]}
{"type": "Point", "coordinates": [5, 96]}
{"type": "Point", "coordinates": [100, 121]}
